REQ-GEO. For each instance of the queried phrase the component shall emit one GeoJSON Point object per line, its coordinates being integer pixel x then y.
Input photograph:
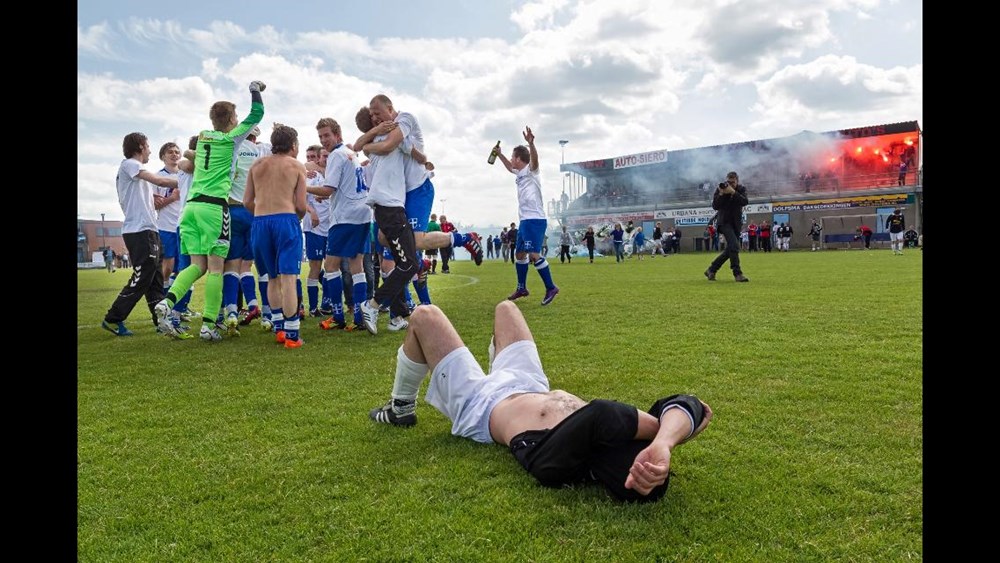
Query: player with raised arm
{"type": "Point", "coordinates": [523, 163]}
{"type": "Point", "coordinates": [205, 221]}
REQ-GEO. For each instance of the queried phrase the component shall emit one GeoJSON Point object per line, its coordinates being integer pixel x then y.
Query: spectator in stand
{"type": "Point", "coordinates": [618, 238]}
{"type": "Point", "coordinates": [764, 235]}
{"type": "Point", "coordinates": [865, 233]}
{"type": "Point", "coordinates": [588, 239]}
{"type": "Point", "coordinates": [752, 236]}
{"type": "Point", "coordinates": [911, 237]}
{"type": "Point", "coordinates": [446, 252]}
{"type": "Point", "coordinates": [902, 172]}
{"type": "Point", "coordinates": [814, 232]}
{"type": "Point", "coordinates": [658, 240]}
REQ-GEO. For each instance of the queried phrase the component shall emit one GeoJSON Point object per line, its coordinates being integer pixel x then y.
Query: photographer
{"type": "Point", "coordinates": [729, 200]}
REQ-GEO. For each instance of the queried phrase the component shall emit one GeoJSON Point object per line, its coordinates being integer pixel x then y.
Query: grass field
{"type": "Point", "coordinates": [244, 451]}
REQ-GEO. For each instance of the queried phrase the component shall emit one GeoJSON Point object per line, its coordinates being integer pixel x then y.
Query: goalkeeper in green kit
{"type": "Point", "coordinates": [205, 222]}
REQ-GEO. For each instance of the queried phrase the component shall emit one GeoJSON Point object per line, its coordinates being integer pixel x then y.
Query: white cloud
{"type": "Point", "coordinates": [839, 90]}
{"type": "Point", "coordinates": [534, 15]}
{"type": "Point", "coordinates": [96, 41]}
{"type": "Point", "coordinates": [614, 78]}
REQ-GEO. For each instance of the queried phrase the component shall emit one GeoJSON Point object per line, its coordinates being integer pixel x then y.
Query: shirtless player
{"type": "Point", "coordinates": [276, 195]}
{"type": "Point", "coordinates": [556, 436]}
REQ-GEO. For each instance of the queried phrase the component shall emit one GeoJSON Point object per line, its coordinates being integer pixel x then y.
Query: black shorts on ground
{"type": "Point", "coordinates": [595, 443]}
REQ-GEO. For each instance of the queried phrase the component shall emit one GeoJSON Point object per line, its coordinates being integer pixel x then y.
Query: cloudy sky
{"type": "Point", "coordinates": [612, 78]}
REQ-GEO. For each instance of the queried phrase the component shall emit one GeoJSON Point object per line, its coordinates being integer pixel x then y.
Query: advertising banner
{"type": "Point", "coordinates": [843, 202]}
{"type": "Point", "coordinates": [628, 161]}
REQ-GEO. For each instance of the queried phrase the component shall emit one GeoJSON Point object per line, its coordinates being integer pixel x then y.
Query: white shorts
{"type": "Point", "coordinates": [896, 237]}
{"type": "Point", "coordinates": [462, 392]}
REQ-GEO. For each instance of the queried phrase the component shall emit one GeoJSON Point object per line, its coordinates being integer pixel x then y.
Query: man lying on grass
{"type": "Point", "coordinates": [556, 436]}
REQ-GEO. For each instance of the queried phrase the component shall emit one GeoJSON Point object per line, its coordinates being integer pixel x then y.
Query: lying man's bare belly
{"type": "Point", "coordinates": [531, 411]}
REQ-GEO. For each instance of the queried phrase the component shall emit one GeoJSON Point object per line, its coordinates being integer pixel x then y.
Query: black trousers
{"type": "Point", "coordinates": [590, 250]}
{"type": "Point", "coordinates": [564, 251]}
{"type": "Point", "coordinates": [146, 279]}
{"type": "Point", "coordinates": [445, 258]}
{"type": "Point", "coordinates": [732, 251]}
{"type": "Point", "coordinates": [403, 247]}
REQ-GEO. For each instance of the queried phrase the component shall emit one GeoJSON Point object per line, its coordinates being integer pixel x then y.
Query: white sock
{"type": "Point", "coordinates": [409, 375]}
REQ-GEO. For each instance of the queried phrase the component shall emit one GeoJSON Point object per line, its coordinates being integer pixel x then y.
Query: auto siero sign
{"type": "Point", "coordinates": [641, 159]}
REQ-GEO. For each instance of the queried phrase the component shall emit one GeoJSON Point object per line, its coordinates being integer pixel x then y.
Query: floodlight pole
{"type": "Point", "coordinates": [562, 145]}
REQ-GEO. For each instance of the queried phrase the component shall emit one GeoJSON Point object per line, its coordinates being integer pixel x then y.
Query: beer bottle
{"type": "Point", "coordinates": [494, 153]}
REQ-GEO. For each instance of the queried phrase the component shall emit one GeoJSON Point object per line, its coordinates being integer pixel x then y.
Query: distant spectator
{"type": "Point", "coordinates": [658, 240]}
{"type": "Point", "coordinates": [752, 236]}
{"type": "Point", "coordinates": [675, 240]}
{"type": "Point", "coordinates": [512, 241]}
{"type": "Point", "coordinates": [713, 234]}
{"type": "Point", "coordinates": [814, 232]}
{"type": "Point", "coordinates": [784, 236]}
{"type": "Point", "coordinates": [764, 236]}
{"type": "Point", "coordinates": [432, 227]}
{"type": "Point", "coordinates": [447, 253]}
{"type": "Point", "coordinates": [504, 243]}
{"type": "Point", "coordinates": [565, 242]}
{"type": "Point", "coordinates": [588, 239]}
{"type": "Point", "coordinates": [895, 224]}
{"type": "Point", "coordinates": [910, 237]}
{"type": "Point", "coordinates": [618, 238]}
{"type": "Point", "coordinates": [865, 233]}
{"type": "Point", "coordinates": [638, 242]}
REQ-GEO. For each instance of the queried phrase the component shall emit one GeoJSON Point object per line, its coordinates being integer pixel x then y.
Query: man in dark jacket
{"type": "Point", "coordinates": [729, 200]}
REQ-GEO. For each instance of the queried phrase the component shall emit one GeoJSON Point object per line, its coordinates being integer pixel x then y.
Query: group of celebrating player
{"type": "Point", "coordinates": [233, 202]}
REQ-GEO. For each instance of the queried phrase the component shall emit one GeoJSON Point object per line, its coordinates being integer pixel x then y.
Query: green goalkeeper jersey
{"type": "Point", "coordinates": [216, 154]}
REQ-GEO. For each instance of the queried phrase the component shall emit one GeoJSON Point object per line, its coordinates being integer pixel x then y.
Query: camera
{"type": "Point", "coordinates": [722, 185]}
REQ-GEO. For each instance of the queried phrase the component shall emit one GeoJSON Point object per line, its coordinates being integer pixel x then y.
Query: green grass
{"type": "Point", "coordinates": [244, 451]}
